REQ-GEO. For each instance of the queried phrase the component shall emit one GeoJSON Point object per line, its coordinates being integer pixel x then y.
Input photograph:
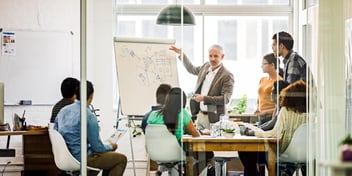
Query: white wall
{"type": "Point", "coordinates": [100, 59]}
{"type": "Point", "coordinates": [64, 15]}
{"type": "Point", "coordinates": [38, 15]}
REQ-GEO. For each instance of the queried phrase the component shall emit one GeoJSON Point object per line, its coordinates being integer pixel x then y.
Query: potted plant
{"type": "Point", "coordinates": [228, 132]}
{"type": "Point", "coordinates": [240, 107]}
{"type": "Point", "coordinates": [346, 149]}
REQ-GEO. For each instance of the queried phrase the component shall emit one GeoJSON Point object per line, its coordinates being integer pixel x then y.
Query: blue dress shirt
{"type": "Point", "coordinates": [68, 123]}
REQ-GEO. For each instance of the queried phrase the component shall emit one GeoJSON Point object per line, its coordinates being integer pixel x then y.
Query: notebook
{"type": "Point", "coordinates": [116, 135]}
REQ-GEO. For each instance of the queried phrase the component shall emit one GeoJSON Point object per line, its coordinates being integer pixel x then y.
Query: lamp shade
{"type": "Point", "coordinates": [171, 15]}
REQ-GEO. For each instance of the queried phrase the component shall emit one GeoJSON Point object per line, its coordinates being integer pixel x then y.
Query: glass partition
{"type": "Point", "coordinates": [246, 37]}
{"type": "Point", "coordinates": [208, 2]}
{"type": "Point", "coordinates": [245, 40]}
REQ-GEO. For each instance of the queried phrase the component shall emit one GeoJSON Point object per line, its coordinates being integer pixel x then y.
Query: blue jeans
{"type": "Point", "coordinates": [262, 120]}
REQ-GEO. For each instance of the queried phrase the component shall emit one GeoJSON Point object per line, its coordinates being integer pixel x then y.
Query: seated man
{"type": "Point", "coordinates": [99, 155]}
{"type": "Point", "coordinates": [69, 87]}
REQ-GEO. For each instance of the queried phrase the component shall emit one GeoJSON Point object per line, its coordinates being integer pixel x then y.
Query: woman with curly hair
{"type": "Point", "coordinates": [293, 113]}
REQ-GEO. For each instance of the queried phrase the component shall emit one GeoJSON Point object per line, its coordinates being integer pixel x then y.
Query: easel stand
{"type": "Point", "coordinates": [132, 133]}
{"type": "Point", "coordinates": [131, 124]}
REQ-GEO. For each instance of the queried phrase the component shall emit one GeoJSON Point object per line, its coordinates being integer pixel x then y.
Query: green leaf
{"type": "Point", "coordinates": [347, 140]}
{"type": "Point", "coordinates": [228, 130]}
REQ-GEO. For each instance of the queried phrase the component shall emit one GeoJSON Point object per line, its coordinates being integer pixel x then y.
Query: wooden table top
{"type": "Point", "coordinates": [242, 115]}
{"type": "Point", "coordinates": [210, 139]}
{"type": "Point", "coordinates": [28, 132]}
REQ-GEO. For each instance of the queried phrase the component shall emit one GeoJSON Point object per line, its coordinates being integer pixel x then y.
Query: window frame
{"type": "Point", "coordinates": [202, 10]}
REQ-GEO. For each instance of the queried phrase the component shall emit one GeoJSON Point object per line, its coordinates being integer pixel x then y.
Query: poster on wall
{"type": "Point", "coordinates": [8, 44]}
{"type": "Point", "coordinates": [348, 60]}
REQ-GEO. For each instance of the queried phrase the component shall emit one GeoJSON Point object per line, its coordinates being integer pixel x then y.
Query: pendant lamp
{"type": "Point", "coordinates": [172, 15]}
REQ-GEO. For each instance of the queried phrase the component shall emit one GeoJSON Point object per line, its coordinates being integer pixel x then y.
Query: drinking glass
{"type": "Point", "coordinates": [214, 130]}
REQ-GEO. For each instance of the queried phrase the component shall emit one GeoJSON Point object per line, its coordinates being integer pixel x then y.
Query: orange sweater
{"type": "Point", "coordinates": [264, 94]}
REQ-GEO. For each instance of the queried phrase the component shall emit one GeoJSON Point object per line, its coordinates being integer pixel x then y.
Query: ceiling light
{"type": "Point", "coordinates": [172, 15]}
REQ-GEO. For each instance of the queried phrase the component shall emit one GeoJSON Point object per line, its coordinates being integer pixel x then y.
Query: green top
{"type": "Point", "coordinates": [183, 118]}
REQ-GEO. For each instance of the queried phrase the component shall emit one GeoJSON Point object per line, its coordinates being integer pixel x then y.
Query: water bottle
{"type": "Point", "coordinates": [224, 119]}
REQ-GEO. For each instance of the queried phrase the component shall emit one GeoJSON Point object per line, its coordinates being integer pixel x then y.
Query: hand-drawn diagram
{"type": "Point", "coordinates": [151, 65]}
{"type": "Point", "coordinates": [142, 65]}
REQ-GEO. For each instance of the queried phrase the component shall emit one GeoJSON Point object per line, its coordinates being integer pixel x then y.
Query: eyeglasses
{"type": "Point", "coordinates": [264, 64]}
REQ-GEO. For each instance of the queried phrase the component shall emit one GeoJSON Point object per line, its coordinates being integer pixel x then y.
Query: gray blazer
{"type": "Point", "coordinates": [220, 91]}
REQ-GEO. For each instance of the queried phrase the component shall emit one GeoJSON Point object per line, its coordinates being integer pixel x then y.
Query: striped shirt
{"type": "Point", "coordinates": [287, 123]}
{"type": "Point", "coordinates": [58, 106]}
{"type": "Point", "coordinates": [295, 68]}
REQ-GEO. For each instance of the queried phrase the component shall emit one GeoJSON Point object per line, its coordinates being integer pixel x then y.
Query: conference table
{"type": "Point", "coordinates": [237, 143]}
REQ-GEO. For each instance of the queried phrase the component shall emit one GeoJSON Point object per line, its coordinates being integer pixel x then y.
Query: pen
{"type": "Point", "coordinates": [24, 112]}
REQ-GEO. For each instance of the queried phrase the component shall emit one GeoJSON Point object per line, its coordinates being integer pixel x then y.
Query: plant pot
{"type": "Point", "coordinates": [346, 153]}
{"type": "Point", "coordinates": [229, 135]}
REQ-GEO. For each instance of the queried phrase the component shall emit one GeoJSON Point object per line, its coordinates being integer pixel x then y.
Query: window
{"type": "Point", "coordinates": [156, 2]}
{"type": "Point", "coordinates": [246, 38]}
{"type": "Point", "coordinates": [208, 2]}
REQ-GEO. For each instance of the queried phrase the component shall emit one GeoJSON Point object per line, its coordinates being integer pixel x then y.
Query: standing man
{"type": "Point", "coordinates": [99, 155]}
{"type": "Point", "coordinates": [295, 66]}
{"type": "Point", "coordinates": [213, 89]}
{"type": "Point", "coordinates": [69, 87]}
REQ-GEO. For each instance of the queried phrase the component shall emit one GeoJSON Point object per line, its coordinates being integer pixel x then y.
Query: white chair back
{"type": "Point", "coordinates": [296, 151]}
{"type": "Point", "coordinates": [51, 125]}
{"type": "Point", "coordinates": [62, 156]}
{"type": "Point", "coordinates": [161, 145]}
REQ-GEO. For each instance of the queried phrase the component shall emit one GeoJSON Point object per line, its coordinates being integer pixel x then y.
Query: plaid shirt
{"type": "Point", "coordinates": [295, 68]}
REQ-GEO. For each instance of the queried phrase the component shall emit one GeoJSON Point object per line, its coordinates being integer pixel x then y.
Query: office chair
{"type": "Point", "coordinates": [62, 156]}
{"type": "Point", "coordinates": [163, 148]}
{"type": "Point", "coordinates": [296, 152]}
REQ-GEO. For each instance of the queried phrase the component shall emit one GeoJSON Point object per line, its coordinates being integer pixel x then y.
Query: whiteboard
{"type": "Point", "coordinates": [43, 59]}
{"type": "Point", "coordinates": [143, 64]}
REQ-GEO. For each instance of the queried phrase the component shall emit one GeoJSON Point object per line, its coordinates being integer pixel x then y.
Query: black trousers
{"type": "Point", "coordinates": [249, 162]}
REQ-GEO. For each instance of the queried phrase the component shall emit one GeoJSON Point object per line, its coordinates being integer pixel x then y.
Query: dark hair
{"type": "Point", "coordinates": [174, 103]}
{"type": "Point", "coordinates": [90, 90]}
{"type": "Point", "coordinates": [278, 86]}
{"type": "Point", "coordinates": [294, 97]}
{"type": "Point", "coordinates": [69, 87]}
{"type": "Point", "coordinates": [271, 59]}
{"type": "Point", "coordinates": [161, 93]}
{"type": "Point", "coordinates": [284, 38]}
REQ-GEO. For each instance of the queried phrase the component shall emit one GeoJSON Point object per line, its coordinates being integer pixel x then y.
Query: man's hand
{"type": "Point", "coordinates": [114, 146]}
{"type": "Point", "coordinates": [175, 49]}
{"type": "Point", "coordinates": [198, 97]}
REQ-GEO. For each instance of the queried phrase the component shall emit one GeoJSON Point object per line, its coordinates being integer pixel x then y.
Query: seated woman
{"type": "Point", "coordinates": [174, 115]}
{"type": "Point", "coordinates": [269, 125]}
{"type": "Point", "coordinates": [292, 114]}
